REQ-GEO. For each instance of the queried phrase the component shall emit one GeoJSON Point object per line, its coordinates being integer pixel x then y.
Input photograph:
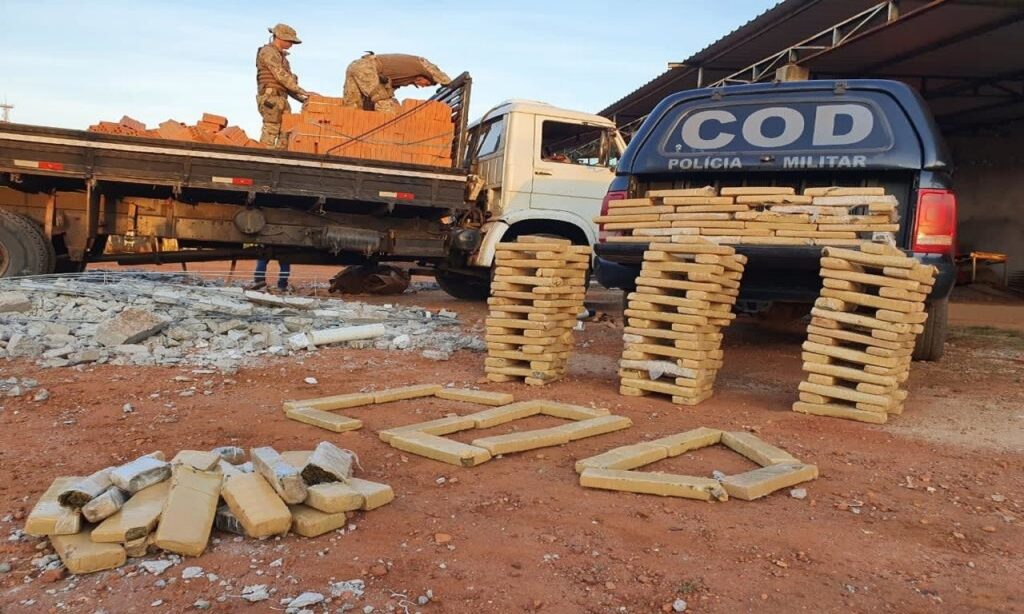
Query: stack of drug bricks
{"type": "Point", "coordinates": [536, 295]}
{"type": "Point", "coordinates": [95, 522]}
{"type": "Point", "coordinates": [209, 129]}
{"type": "Point", "coordinates": [756, 216]}
{"type": "Point", "coordinates": [420, 133]}
{"type": "Point", "coordinates": [684, 297]}
{"type": "Point", "coordinates": [862, 333]}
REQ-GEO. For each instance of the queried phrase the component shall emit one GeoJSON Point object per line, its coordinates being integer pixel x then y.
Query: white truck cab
{"type": "Point", "coordinates": [542, 169]}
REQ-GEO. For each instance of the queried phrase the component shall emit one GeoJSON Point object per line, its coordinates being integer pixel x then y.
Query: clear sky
{"type": "Point", "coordinates": [71, 63]}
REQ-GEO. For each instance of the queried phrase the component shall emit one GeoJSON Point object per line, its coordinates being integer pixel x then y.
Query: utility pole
{"type": "Point", "coordinates": [5, 111]}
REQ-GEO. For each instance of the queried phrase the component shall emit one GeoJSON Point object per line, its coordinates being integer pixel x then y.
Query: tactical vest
{"type": "Point", "coordinates": [265, 78]}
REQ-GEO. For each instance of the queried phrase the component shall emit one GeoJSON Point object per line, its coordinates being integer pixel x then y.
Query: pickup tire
{"type": "Point", "coordinates": [24, 249]}
{"type": "Point", "coordinates": [465, 287]}
{"type": "Point", "coordinates": [931, 343]}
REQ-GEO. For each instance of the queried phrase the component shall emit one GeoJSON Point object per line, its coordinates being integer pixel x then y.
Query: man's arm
{"type": "Point", "coordinates": [284, 77]}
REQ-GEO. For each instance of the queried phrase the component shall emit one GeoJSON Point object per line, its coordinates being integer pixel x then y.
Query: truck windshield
{"type": "Point", "coordinates": [575, 144]}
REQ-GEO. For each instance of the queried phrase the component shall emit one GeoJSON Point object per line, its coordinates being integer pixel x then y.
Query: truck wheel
{"type": "Point", "coordinates": [932, 341]}
{"type": "Point", "coordinates": [24, 249]}
{"type": "Point", "coordinates": [465, 287]}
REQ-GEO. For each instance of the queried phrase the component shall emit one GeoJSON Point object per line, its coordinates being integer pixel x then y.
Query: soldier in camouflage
{"type": "Point", "coordinates": [371, 81]}
{"type": "Point", "coordinates": [275, 82]}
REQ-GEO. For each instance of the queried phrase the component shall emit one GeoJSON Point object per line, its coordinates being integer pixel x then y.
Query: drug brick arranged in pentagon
{"type": "Point", "coordinates": [683, 299]}
{"type": "Point", "coordinates": [862, 333]}
{"type": "Point", "coordinates": [536, 295]}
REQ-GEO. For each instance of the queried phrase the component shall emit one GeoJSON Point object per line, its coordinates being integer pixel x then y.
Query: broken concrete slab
{"type": "Point", "coordinates": [480, 397]}
{"type": "Point", "coordinates": [14, 302]}
{"type": "Point", "coordinates": [571, 412]}
{"type": "Point", "coordinates": [309, 522]}
{"type": "Point", "coordinates": [187, 517]}
{"type": "Point", "coordinates": [690, 440]}
{"type": "Point", "coordinates": [594, 426]}
{"type": "Point", "coordinates": [332, 403]}
{"type": "Point", "coordinates": [203, 461]}
{"type": "Point", "coordinates": [644, 482]}
{"type": "Point", "coordinates": [82, 555]}
{"type": "Point", "coordinates": [441, 449]}
{"type": "Point", "coordinates": [441, 426]}
{"type": "Point", "coordinates": [253, 501]}
{"type": "Point", "coordinates": [140, 473]}
{"type": "Point", "coordinates": [522, 441]}
{"type": "Point", "coordinates": [754, 448]}
{"type": "Point", "coordinates": [130, 326]}
{"type": "Point", "coordinates": [375, 494]}
{"type": "Point", "coordinates": [766, 480]}
{"type": "Point", "coordinates": [406, 392]}
{"type": "Point", "coordinates": [137, 548]}
{"type": "Point", "coordinates": [506, 413]}
{"type": "Point", "coordinates": [625, 457]}
{"type": "Point", "coordinates": [105, 505]}
{"type": "Point", "coordinates": [284, 477]}
{"type": "Point", "coordinates": [334, 497]}
{"type": "Point", "coordinates": [136, 518]}
{"type": "Point", "coordinates": [84, 491]}
{"type": "Point", "coordinates": [328, 463]}
{"type": "Point", "coordinates": [49, 517]}
{"type": "Point", "coordinates": [274, 300]}
{"type": "Point", "coordinates": [323, 419]}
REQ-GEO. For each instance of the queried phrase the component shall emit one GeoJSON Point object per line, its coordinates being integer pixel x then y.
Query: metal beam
{"type": "Point", "coordinates": [945, 42]}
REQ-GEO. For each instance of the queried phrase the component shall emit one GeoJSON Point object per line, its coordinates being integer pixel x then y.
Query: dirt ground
{"type": "Point", "coordinates": [919, 515]}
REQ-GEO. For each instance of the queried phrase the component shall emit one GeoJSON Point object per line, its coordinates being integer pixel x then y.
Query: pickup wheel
{"type": "Point", "coordinates": [24, 249]}
{"type": "Point", "coordinates": [465, 287]}
{"type": "Point", "coordinates": [931, 343]}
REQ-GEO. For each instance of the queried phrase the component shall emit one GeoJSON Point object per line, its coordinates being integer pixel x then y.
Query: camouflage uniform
{"type": "Point", "coordinates": [370, 81]}
{"type": "Point", "coordinates": [274, 83]}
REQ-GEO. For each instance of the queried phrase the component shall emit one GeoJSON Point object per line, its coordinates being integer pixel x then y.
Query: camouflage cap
{"type": "Point", "coordinates": [285, 32]}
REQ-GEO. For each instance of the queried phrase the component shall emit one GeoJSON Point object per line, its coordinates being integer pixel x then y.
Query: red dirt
{"type": "Point", "coordinates": [902, 518]}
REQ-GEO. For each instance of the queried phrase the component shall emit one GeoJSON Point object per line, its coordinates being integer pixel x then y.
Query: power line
{"type": "Point", "coordinates": [5, 111]}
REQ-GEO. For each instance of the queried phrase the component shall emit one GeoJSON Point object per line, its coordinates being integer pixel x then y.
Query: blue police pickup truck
{"type": "Point", "coordinates": [800, 134]}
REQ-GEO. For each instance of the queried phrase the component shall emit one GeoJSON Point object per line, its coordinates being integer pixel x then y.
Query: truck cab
{"type": "Point", "coordinates": [537, 169]}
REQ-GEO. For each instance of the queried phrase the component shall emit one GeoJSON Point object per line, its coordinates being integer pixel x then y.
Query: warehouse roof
{"type": "Point", "coordinates": [964, 56]}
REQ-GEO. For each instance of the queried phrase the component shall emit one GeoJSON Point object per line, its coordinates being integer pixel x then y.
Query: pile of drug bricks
{"type": "Point", "coordinates": [97, 521]}
{"type": "Point", "coordinates": [210, 129]}
{"type": "Point", "coordinates": [420, 133]}
{"type": "Point", "coordinates": [835, 216]}
{"type": "Point", "coordinates": [684, 297]}
{"type": "Point", "coordinates": [536, 296]}
{"type": "Point", "coordinates": [862, 333]}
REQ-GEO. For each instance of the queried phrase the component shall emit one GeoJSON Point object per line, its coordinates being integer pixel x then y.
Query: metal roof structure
{"type": "Point", "coordinates": [966, 57]}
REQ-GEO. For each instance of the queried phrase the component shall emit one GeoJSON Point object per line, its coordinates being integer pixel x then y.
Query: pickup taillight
{"type": "Point", "coordinates": [610, 196]}
{"type": "Point", "coordinates": [935, 222]}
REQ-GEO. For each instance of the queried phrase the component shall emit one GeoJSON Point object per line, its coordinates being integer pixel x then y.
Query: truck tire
{"type": "Point", "coordinates": [465, 287]}
{"type": "Point", "coordinates": [24, 249]}
{"type": "Point", "coordinates": [931, 342]}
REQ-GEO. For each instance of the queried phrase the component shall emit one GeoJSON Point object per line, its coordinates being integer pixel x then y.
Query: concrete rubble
{"type": "Point", "coordinates": [145, 319]}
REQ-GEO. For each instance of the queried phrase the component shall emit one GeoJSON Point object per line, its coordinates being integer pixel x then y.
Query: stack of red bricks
{"type": "Point", "coordinates": [421, 133]}
{"type": "Point", "coordinates": [210, 129]}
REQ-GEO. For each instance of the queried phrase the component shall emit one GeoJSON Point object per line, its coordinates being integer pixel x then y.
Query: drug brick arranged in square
{"type": "Point", "coordinates": [683, 299]}
{"type": "Point", "coordinates": [536, 295]}
{"type": "Point", "coordinates": [862, 333]}
{"type": "Point", "coordinates": [319, 411]}
{"type": "Point", "coordinates": [616, 468]}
